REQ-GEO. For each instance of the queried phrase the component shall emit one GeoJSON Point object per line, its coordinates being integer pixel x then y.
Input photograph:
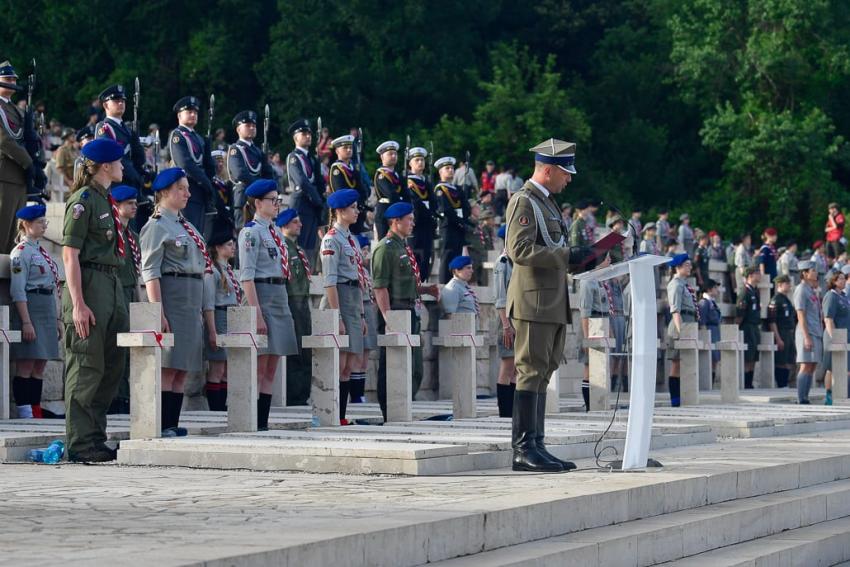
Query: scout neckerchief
{"type": "Point", "coordinates": [416, 274]}
{"type": "Point", "coordinates": [198, 242]}
{"type": "Point", "coordinates": [347, 173]}
{"type": "Point", "coordinates": [50, 264]}
{"type": "Point", "coordinates": [418, 186]}
{"type": "Point", "coordinates": [471, 292]}
{"type": "Point", "coordinates": [134, 249]}
{"type": "Point", "coordinates": [284, 253]}
{"type": "Point", "coordinates": [693, 299]}
{"type": "Point", "coordinates": [303, 257]}
{"type": "Point", "coordinates": [588, 230]}
{"type": "Point", "coordinates": [119, 228]}
{"type": "Point", "coordinates": [234, 282]}
{"type": "Point", "coordinates": [361, 272]}
{"type": "Point", "coordinates": [610, 293]}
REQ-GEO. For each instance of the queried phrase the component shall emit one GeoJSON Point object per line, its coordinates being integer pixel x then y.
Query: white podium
{"type": "Point", "coordinates": [644, 351]}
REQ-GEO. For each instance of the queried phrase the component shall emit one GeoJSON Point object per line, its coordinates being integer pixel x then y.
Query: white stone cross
{"type": "Point", "coordinates": [242, 342]}
{"type": "Point", "coordinates": [399, 344]}
{"type": "Point", "coordinates": [838, 350]}
{"type": "Point", "coordinates": [767, 346]}
{"type": "Point", "coordinates": [325, 342]}
{"type": "Point", "coordinates": [731, 349]}
{"type": "Point", "coordinates": [457, 361]}
{"type": "Point", "coordinates": [599, 347]}
{"type": "Point", "coordinates": [705, 360]}
{"type": "Point", "coordinates": [7, 337]}
{"type": "Point", "coordinates": [689, 345]}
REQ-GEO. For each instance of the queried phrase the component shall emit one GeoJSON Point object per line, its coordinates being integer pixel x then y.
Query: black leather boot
{"type": "Point", "coordinates": [523, 439]}
{"type": "Point", "coordinates": [540, 433]}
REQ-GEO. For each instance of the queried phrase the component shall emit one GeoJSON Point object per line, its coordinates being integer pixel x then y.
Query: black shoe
{"type": "Point", "coordinates": [181, 431]}
{"type": "Point", "coordinates": [523, 439]}
{"type": "Point", "coordinates": [540, 433]}
{"type": "Point", "coordinates": [169, 432]}
{"type": "Point", "coordinates": [96, 455]}
{"type": "Point", "coordinates": [108, 449]}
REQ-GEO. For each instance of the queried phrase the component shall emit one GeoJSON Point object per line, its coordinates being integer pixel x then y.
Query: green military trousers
{"type": "Point", "coordinates": [94, 365]}
{"type": "Point", "coordinates": [538, 349]}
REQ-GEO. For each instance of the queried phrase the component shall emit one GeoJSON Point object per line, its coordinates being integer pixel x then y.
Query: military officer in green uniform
{"type": "Point", "coordinates": [93, 307]}
{"type": "Point", "coordinates": [395, 274]}
{"type": "Point", "coordinates": [298, 370]}
{"type": "Point", "coordinates": [538, 304]}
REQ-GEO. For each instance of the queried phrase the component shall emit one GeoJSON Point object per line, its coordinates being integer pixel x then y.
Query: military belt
{"type": "Point", "coordinates": [598, 314]}
{"type": "Point", "coordinates": [403, 304]}
{"type": "Point", "coordinates": [41, 291]}
{"type": "Point", "coordinates": [272, 281]}
{"type": "Point", "coordinates": [352, 283]}
{"type": "Point", "coordinates": [182, 275]}
{"type": "Point", "coordinates": [100, 267]}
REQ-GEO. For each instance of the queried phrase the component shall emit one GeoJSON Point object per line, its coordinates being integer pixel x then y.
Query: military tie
{"type": "Point", "coordinates": [284, 254]}
{"type": "Point", "coordinates": [198, 242]}
{"type": "Point", "coordinates": [50, 264]}
{"type": "Point", "coordinates": [119, 230]}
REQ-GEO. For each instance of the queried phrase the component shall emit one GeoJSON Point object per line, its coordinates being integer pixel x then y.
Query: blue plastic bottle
{"type": "Point", "coordinates": [51, 455]}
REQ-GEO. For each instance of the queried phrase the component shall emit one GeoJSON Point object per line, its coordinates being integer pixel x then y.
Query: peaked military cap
{"type": "Point", "coordinates": [112, 92]}
{"type": "Point", "coordinates": [165, 178]}
{"type": "Point", "coordinates": [679, 259]}
{"type": "Point", "coordinates": [387, 146]}
{"type": "Point", "coordinates": [300, 125]}
{"type": "Point", "coordinates": [187, 103]}
{"type": "Point", "coordinates": [84, 132]}
{"type": "Point", "coordinates": [124, 193]}
{"type": "Point", "coordinates": [245, 116]}
{"type": "Point", "coordinates": [6, 70]}
{"type": "Point", "coordinates": [398, 210]}
{"type": "Point", "coordinates": [444, 161]}
{"type": "Point", "coordinates": [346, 140]}
{"type": "Point", "coordinates": [556, 152]}
{"type": "Point", "coordinates": [417, 152]}
{"type": "Point", "coordinates": [218, 154]}
{"type": "Point", "coordinates": [285, 217]}
{"type": "Point", "coordinates": [31, 212]}
{"type": "Point", "coordinates": [260, 187]}
{"type": "Point", "coordinates": [460, 262]}
{"type": "Point", "coordinates": [342, 199]}
{"type": "Point", "coordinates": [103, 150]}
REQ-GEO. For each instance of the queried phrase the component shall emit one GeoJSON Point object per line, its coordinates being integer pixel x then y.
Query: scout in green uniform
{"type": "Point", "coordinates": [581, 231]}
{"type": "Point", "coordinates": [782, 320]}
{"type": "Point", "coordinates": [125, 198]}
{"type": "Point", "coordinates": [93, 307]}
{"type": "Point", "coordinates": [538, 303]}
{"type": "Point", "coordinates": [479, 237]}
{"type": "Point", "coordinates": [298, 366]}
{"type": "Point", "coordinates": [397, 287]}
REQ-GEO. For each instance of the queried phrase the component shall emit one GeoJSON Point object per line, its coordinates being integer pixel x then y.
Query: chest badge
{"type": "Point", "coordinates": [523, 220]}
{"type": "Point", "coordinates": [109, 234]}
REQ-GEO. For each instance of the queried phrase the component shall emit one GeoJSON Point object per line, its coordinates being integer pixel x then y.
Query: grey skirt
{"type": "Point", "coordinates": [274, 305]}
{"type": "Point", "coordinates": [43, 314]}
{"type": "Point", "coordinates": [505, 352]}
{"type": "Point", "coordinates": [220, 354]}
{"type": "Point", "coordinates": [350, 304]}
{"type": "Point", "coordinates": [181, 304]}
{"type": "Point", "coordinates": [808, 356]}
{"type": "Point", "coordinates": [370, 341]}
{"type": "Point", "coordinates": [618, 329]}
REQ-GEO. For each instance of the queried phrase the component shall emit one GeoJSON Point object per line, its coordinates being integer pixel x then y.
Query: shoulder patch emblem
{"type": "Point", "coordinates": [327, 252]}
{"type": "Point", "coordinates": [21, 247]}
{"type": "Point", "coordinates": [293, 160]}
{"type": "Point", "coordinates": [233, 152]}
{"type": "Point", "coordinates": [523, 220]}
{"type": "Point", "coordinates": [101, 131]}
{"type": "Point", "coordinates": [336, 171]}
{"type": "Point", "coordinates": [77, 211]}
{"type": "Point", "coordinates": [175, 140]}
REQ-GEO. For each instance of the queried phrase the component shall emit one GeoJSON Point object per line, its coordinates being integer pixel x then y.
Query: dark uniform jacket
{"type": "Point", "coordinates": [188, 151]}
{"type": "Point", "coordinates": [749, 307]}
{"type": "Point", "coordinates": [454, 210]}
{"type": "Point", "coordinates": [388, 186]}
{"type": "Point", "coordinates": [134, 155]}
{"type": "Point", "coordinates": [425, 211]}
{"type": "Point", "coordinates": [14, 159]}
{"type": "Point", "coordinates": [246, 163]}
{"type": "Point", "coordinates": [306, 183]}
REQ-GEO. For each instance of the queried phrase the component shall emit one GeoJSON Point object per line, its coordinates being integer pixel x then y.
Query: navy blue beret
{"type": "Point", "coordinates": [502, 231]}
{"type": "Point", "coordinates": [679, 259]}
{"type": "Point", "coordinates": [285, 217]}
{"type": "Point", "coordinates": [31, 212]}
{"type": "Point", "coordinates": [166, 178]}
{"type": "Point", "coordinates": [260, 187]}
{"type": "Point", "coordinates": [124, 192]}
{"type": "Point", "coordinates": [363, 241]}
{"type": "Point", "coordinates": [342, 199]}
{"type": "Point", "coordinates": [103, 150]}
{"type": "Point", "coordinates": [398, 210]}
{"type": "Point", "coordinates": [460, 262]}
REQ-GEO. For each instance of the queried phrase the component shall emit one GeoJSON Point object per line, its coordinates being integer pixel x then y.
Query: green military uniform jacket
{"type": "Point", "coordinates": [538, 287]}
{"type": "Point", "coordinates": [298, 284]}
{"type": "Point", "coordinates": [89, 227]}
{"type": "Point", "coordinates": [127, 273]}
{"type": "Point", "coordinates": [393, 270]}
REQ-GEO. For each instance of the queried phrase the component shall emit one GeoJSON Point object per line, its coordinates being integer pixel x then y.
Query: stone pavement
{"type": "Point", "coordinates": [110, 514]}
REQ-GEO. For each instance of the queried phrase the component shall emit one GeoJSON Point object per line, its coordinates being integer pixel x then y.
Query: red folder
{"type": "Point", "coordinates": [601, 247]}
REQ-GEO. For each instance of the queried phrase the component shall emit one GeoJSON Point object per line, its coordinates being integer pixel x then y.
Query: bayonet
{"type": "Point", "coordinates": [266, 131]}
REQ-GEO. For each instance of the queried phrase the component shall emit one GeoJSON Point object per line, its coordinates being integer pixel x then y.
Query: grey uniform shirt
{"type": "Point", "coordinates": [616, 296]}
{"type": "Point", "coordinates": [806, 300]}
{"type": "Point", "coordinates": [743, 257]}
{"type": "Point", "coordinates": [339, 257]}
{"type": "Point", "coordinates": [456, 297]}
{"type": "Point", "coordinates": [166, 247]}
{"type": "Point", "coordinates": [592, 299]}
{"type": "Point", "coordinates": [214, 294]}
{"type": "Point", "coordinates": [686, 237]}
{"type": "Point", "coordinates": [788, 264]}
{"type": "Point", "coordinates": [836, 306]}
{"type": "Point", "coordinates": [662, 231]}
{"type": "Point", "coordinates": [259, 255]}
{"type": "Point", "coordinates": [649, 246]}
{"type": "Point", "coordinates": [30, 270]}
{"type": "Point", "coordinates": [681, 300]}
{"type": "Point", "coordinates": [502, 273]}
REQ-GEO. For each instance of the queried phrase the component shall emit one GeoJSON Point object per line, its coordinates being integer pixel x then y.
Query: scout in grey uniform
{"type": "Point", "coordinates": [649, 245]}
{"type": "Point", "coordinates": [592, 304]}
{"type": "Point", "coordinates": [221, 290]}
{"type": "Point", "coordinates": [35, 279]}
{"type": "Point", "coordinates": [457, 296]}
{"type": "Point", "coordinates": [506, 382]}
{"type": "Point", "coordinates": [342, 269]}
{"type": "Point", "coordinates": [808, 338]}
{"type": "Point", "coordinates": [614, 289]}
{"type": "Point", "coordinates": [663, 229]}
{"type": "Point", "coordinates": [686, 235]}
{"type": "Point", "coordinates": [357, 383]}
{"type": "Point", "coordinates": [836, 315]}
{"type": "Point", "coordinates": [246, 162]}
{"type": "Point", "coordinates": [174, 260]}
{"type": "Point", "coordinates": [789, 264]}
{"type": "Point", "coordinates": [264, 271]}
{"type": "Point", "coordinates": [743, 260]}
{"type": "Point", "coordinates": [683, 309]}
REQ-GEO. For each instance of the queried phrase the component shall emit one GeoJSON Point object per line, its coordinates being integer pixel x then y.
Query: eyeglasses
{"type": "Point", "coordinates": [278, 199]}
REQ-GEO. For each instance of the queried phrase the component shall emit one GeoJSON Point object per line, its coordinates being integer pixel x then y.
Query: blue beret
{"type": "Point", "coordinates": [103, 150]}
{"type": "Point", "coordinates": [398, 210]}
{"type": "Point", "coordinates": [285, 217]}
{"type": "Point", "coordinates": [342, 199]}
{"type": "Point", "coordinates": [363, 241]}
{"type": "Point", "coordinates": [679, 259]}
{"type": "Point", "coordinates": [31, 212]}
{"type": "Point", "coordinates": [124, 192]}
{"type": "Point", "coordinates": [502, 231]}
{"type": "Point", "coordinates": [166, 178]}
{"type": "Point", "coordinates": [260, 187]}
{"type": "Point", "coordinates": [460, 262]}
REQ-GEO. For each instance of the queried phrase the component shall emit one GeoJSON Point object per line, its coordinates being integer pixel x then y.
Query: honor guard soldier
{"type": "Point", "coordinates": [782, 321]}
{"type": "Point", "coordinates": [126, 200]}
{"type": "Point", "coordinates": [343, 175]}
{"type": "Point", "coordinates": [222, 184]}
{"type": "Point", "coordinates": [246, 162]}
{"type": "Point", "coordinates": [683, 309]}
{"type": "Point", "coordinates": [749, 320]}
{"type": "Point", "coordinates": [306, 186]}
{"type": "Point", "coordinates": [398, 286]}
{"type": "Point", "coordinates": [388, 185]}
{"type": "Point", "coordinates": [189, 152]}
{"type": "Point", "coordinates": [114, 100]}
{"type": "Point", "coordinates": [479, 238]}
{"type": "Point", "coordinates": [14, 159]}
{"type": "Point", "coordinates": [425, 211]}
{"type": "Point", "coordinates": [538, 302]}
{"type": "Point", "coordinates": [93, 309]}
{"type": "Point", "coordinates": [457, 296]}
{"type": "Point", "coordinates": [298, 367]}
{"type": "Point", "coordinates": [33, 286]}
{"type": "Point", "coordinates": [454, 216]}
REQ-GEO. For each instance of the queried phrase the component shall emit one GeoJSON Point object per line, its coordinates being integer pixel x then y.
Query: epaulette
{"type": "Point", "coordinates": [249, 224]}
{"type": "Point", "coordinates": [84, 194]}
{"type": "Point", "coordinates": [21, 247]}
{"type": "Point", "coordinates": [331, 232]}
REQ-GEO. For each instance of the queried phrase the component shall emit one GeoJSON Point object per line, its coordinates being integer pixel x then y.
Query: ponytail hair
{"type": "Point", "coordinates": [83, 175]}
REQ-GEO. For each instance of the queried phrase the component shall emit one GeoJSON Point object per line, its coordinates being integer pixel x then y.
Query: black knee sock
{"type": "Point", "coordinates": [20, 391]}
{"type": "Point", "coordinates": [223, 396]}
{"type": "Point", "coordinates": [211, 393]}
{"type": "Point", "coordinates": [675, 391]}
{"type": "Point", "coordinates": [357, 387]}
{"type": "Point", "coordinates": [178, 407]}
{"type": "Point", "coordinates": [748, 380]}
{"type": "Point", "coordinates": [166, 410]}
{"type": "Point", "coordinates": [585, 393]}
{"type": "Point", "coordinates": [781, 375]}
{"type": "Point", "coordinates": [37, 386]}
{"type": "Point", "coordinates": [504, 399]}
{"type": "Point", "coordinates": [264, 404]}
{"type": "Point", "coordinates": [344, 389]}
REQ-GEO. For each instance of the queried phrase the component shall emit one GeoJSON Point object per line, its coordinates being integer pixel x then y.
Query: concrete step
{"type": "Point", "coordinates": [680, 534]}
{"type": "Point", "coordinates": [819, 545]}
